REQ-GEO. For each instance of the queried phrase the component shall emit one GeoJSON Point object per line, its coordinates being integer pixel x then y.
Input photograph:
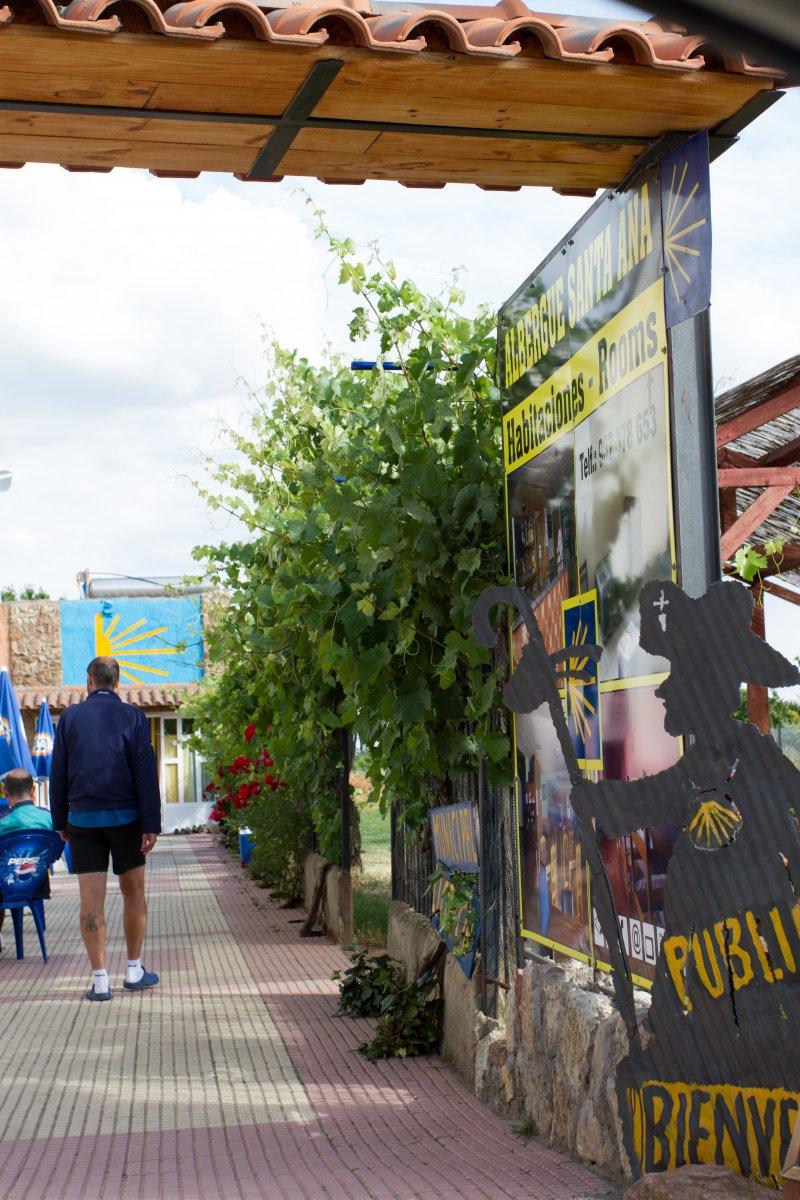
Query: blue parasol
{"type": "Point", "coordinates": [42, 752]}
{"type": "Point", "coordinates": [14, 750]}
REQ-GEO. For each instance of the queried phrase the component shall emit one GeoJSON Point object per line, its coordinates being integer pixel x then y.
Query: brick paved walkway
{"type": "Point", "coordinates": [233, 1078]}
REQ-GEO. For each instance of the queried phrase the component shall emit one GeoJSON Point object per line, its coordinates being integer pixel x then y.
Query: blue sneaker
{"type": "Point", "coordinates": [93, 995]}
{"type": "Point", "coordinates": [149, 979]}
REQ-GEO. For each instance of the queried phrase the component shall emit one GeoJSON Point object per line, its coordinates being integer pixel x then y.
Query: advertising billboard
{"type": "Point", "coordinates": [586, 374]}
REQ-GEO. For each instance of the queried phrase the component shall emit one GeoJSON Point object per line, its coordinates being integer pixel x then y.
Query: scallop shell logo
{"type": "Point", "coordinates": [42, 745]}
{"type": "Point", "coordinates": [5, 730]}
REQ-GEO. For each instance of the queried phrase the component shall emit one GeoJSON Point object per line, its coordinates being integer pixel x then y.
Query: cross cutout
{"type": "Point", "coordinates": [661, 604]}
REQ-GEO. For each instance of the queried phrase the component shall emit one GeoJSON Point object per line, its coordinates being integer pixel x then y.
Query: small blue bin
{"type": "Point", "coordinates": [245, 845]}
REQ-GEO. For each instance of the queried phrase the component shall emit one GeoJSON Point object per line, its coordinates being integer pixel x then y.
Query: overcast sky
{"type": "Point", "coordinates": [131, 307]}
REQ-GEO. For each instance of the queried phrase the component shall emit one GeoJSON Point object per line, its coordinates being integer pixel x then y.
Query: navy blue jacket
{"type": "Point", "coordinates": [103, 759]}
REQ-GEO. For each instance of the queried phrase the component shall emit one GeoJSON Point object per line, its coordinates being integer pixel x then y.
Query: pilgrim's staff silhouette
{"type": "Point", "coordinates": [726, 996]}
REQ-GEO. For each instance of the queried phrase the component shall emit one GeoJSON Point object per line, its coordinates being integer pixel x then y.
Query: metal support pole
{"type": "Point", "coordinates": [345, 880]}
{"type": "Point", "coordinates": [344, 785]}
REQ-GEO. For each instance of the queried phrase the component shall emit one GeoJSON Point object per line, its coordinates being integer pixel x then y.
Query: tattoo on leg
{"type": "Point", "coordinates": [91, 922]}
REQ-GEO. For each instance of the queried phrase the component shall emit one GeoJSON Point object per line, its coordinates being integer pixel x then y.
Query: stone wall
{"type": "Point", "coordinates": [5, 638]}
{"type": "Point", "coordinates": [552, 1066]}
{"type": "Point", "coordinates": [411, 938]}
{"type": "Point", "coordinates": [34, 642]}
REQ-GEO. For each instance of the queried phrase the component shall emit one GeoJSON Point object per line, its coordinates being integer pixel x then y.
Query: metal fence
{"type": "Point", "coordinates": [413, 863]}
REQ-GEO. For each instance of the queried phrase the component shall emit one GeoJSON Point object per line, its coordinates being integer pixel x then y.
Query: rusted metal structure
{"type": "Point", "coordinates": [499, 96]}
{"type": "Point", "coordinates": [758, 457]}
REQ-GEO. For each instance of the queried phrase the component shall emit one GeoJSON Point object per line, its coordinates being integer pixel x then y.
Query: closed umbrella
{"type": "Point", "coordinates": [42, 751]}
{"type": "Point", "coordinates": [14, 750]}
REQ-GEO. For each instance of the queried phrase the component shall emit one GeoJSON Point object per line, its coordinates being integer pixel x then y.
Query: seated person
{"type": "Point", "coordinates": [23, 813]}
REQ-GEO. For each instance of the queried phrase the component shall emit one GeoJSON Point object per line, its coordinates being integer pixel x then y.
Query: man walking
{"type": "Point", "coordinates": [105, 802]}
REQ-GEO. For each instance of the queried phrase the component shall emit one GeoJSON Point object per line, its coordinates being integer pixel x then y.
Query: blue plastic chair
{"type": "Point", "coordinates": [26, 856]}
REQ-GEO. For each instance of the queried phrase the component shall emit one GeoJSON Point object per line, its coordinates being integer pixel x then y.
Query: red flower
{"type": "Point", "coordinates": [250, 732]}
{"type": "Point", "coordinates": [212, 787]}
{"type": "Point", "coordinates": [255, 788]}
{"type": "Point", "coordinates": [221, 771]}
{"type": "Point", "coordinates": [240, 763]}
{"type": "Point", "coordinates": [217, 813]}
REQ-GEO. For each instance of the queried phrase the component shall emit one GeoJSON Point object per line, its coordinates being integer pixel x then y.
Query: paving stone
{"type": "Point", "coordinates": [233, 1079]}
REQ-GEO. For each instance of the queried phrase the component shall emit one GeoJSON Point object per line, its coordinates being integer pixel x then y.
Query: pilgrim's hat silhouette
{"type": "Point", "coordinates": [710, 631]}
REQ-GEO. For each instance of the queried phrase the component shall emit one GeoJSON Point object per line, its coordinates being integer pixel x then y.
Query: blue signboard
{"type": "Point", "coordinates": [686, 222]}
{"type": "Point", "coordinates": [154, 640]}
{"type": "Point", "coordinates": [583, 699]}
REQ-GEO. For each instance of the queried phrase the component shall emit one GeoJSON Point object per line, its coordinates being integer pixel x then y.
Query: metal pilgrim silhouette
{"type": "Point", "coordinates": [713, 1070]}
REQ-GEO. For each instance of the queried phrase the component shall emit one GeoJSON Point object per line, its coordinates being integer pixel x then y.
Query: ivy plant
{"type": "Point", "coordinates": [455, 892]}
{"type": "Point", "coordinates": [366, 983]}
{"type": "Point", "coordinates": [410, 1022]}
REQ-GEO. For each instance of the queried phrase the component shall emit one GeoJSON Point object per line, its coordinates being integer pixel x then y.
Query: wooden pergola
{"type": "Point", "coordinates": [758, 471]}
{"type": "Point", "coordinates": [498, 96]}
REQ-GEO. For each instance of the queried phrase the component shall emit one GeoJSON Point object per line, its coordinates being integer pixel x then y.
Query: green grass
{"type": "Point", "coordinates": [372, 885]}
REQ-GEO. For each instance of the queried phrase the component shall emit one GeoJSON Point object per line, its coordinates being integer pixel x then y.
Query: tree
{"type": "Point", "coordinates": [375, 518]}
{"type": "Point", "coordinates": [29, 592]}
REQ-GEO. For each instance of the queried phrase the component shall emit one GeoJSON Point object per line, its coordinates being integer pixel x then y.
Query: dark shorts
{"type": "Point", "coordinates": [91, 848]}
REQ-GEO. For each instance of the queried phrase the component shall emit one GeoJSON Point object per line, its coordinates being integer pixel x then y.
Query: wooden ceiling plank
{"type": "Point", "coordinates": [543, 81]}
{"type": "Point", "coordinates": [75, 89]}
{"type": "Point", "coordinates": [389, 145]}
{"type": "Point", "coordinates": [114, 153]}
{"type": "Point", "coordinates": [314, 163]}
{"type": "Point", "coordinates": [153, 56]}
{"type": "Point", "coordinates": [425, 107]}
{"type": "Point", "coordinates": [125, 129]}
{"type": "Point", "coordinates": [345, 142]}
{"type": "Point", "coordinates": [268, 95]}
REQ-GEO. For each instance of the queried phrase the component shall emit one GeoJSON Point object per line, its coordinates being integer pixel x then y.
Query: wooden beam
{"type": "Point", "coordinates": [752, 517]}
{"type": "Point", "coordinates": [782, 456]}
{"type": "Point", "coordinates": [754, 418]}
{"type": "Point", "coordinates": [733, 477]}
{"type": "Point", "coordinates": [728, 457]}
{"type": "Point", "coordinates": [787, 560]}
{"type": "Point", "coordinates": [757, 696]}
{"type": "Point", "coordinates": [783, 593]}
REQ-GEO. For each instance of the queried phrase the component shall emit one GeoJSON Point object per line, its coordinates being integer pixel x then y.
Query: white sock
{"type": "Point", "coordinates": [100, 981]}
{"type": "Point", "coordinates": [135, 970]}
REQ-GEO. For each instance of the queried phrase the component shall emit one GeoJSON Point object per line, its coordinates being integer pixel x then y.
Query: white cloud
{"type": "Point", "coordinates": [128, 310]}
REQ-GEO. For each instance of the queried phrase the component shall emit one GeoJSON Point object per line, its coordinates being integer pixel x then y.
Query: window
{"type": "Point", "coordinates": [179, 766]}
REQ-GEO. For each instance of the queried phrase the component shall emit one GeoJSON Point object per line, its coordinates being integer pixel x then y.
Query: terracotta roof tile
{"type": "Point", "coordinates": [59, 698]}
{"type": "Point", "coordinates": [504, 30]}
